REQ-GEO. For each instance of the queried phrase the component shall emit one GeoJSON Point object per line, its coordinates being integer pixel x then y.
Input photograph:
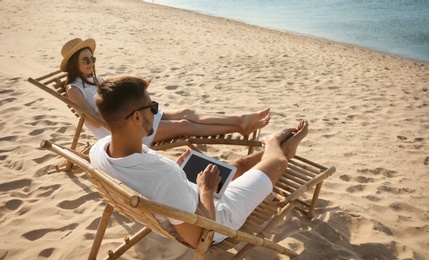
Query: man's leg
{"type": "Point", "coordinates": [290, 146]}
{"type": "Point", "coordinates": [287, 144]}
{"type": "Point", "coordinates": [287, 140]}
{"type": "Point", "coordinates": [246, 163]}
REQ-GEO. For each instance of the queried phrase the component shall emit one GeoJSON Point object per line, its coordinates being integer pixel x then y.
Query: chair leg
{"type": "Point", "coordinates": [316, 193]}
{"type": "Point", "coordinates": [205, 242]}
{"type": "Point", "coordinates": [108, 210]}
{"type": "Point", "coordinates": [128, 243]}
{"type": "Point", "coordinates": [79, 127]}
{"type": "Point", "coordinates": [255, 136]}
{"type": "Point", "coordinates": [193, 147]}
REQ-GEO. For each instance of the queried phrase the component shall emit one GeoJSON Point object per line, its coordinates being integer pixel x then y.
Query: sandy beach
{"type": "Point", "coordinates": [368, 114]}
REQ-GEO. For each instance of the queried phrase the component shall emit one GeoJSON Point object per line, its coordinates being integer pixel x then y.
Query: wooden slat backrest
{"type": "Point", "coordinates": [53, 83]}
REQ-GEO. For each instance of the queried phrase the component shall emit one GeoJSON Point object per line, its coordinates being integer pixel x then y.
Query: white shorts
{"type": "Point", "coordinates": [241, 197]}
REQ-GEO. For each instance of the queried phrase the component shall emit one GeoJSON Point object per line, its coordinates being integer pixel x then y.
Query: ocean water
{"type": "Point", "coordinates": [399, 27]}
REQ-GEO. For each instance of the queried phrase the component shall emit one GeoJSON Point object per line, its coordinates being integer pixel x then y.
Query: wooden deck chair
{"type": "Point", "coordinates": [301, 177]}
{"type": "Point", "coordinates": [53, 83]}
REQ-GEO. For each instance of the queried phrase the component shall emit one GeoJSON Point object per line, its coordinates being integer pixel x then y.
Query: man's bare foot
{"type": "Point", "coordinates": [254, 121]}
{"type": "Point", "coordinates": [280, 136]}
{"type": "Point", "coordinates": [290, 145]}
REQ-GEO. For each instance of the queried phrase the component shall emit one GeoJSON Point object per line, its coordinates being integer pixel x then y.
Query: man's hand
{"type": "Point", "coordinates": [182, 157]}
{"type": "Point", "coordinates": [209, 179]}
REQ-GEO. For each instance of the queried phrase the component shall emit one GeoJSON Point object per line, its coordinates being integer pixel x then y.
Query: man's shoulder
{"type": "Point", "coordinates": [99, 148]}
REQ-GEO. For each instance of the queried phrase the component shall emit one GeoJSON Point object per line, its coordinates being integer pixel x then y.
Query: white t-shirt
{"type": "Point", "coordinates": [89, 91]}
{"type": "Point", "coordinates": [162, 180]}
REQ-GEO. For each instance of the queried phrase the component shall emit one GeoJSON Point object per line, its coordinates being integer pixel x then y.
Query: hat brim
{"type": "Point", "coordinates": [88, 43]}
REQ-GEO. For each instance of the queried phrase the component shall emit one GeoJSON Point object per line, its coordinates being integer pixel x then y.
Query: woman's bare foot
{"type": "Point", "coordinates": [254, 121]}
{"type": "Point", "coordinates": [290, 145]}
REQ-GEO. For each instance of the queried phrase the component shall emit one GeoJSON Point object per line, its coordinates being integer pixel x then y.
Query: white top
{"type": "Point", "coordinates": [89, 91]}
{"type": "Point", "coordinates": [162, 180]}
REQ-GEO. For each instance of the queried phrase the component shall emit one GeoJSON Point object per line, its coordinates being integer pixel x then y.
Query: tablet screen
{"type": "Point", "coordinates": [197, 162]}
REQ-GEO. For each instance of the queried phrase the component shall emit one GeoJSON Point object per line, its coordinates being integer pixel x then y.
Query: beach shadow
{"type": "Point", "coordinates": [338, 234]}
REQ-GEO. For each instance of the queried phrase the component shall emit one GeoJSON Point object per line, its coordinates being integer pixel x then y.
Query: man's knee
{"type": "Point", "coordinates": [242, 163]}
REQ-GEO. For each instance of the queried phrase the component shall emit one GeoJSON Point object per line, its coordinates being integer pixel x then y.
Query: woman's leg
{"type": "Point", "coordinates": [168, 129]}
{"type": "Point", "coordinates": [246, 123]}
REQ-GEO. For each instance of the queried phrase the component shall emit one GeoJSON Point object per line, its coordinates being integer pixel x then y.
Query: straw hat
{"type": "Point", "coordinates": [72, 46]}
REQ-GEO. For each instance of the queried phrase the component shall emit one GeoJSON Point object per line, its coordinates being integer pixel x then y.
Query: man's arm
{"type": "Point", "coordinates": [207, 181]}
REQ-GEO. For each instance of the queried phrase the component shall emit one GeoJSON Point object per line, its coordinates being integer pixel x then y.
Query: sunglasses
{"type": "Point", "coordinates": [153, 108]}
{"type": "Point", "coordinates": [88, 61]}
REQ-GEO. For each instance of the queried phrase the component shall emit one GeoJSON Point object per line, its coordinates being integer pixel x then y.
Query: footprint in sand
{"type": "Point", "coordinates": [6, 91]}
{"type": "Point", "coordinates": [345, 177]}
{"type": "Point", "coordinates": [34, 101]}
{"type": "Point", "coordinates": [46, 252]}
{"type": "Point", "coordinates": [394, 190]}
{"type": "Point", "coordinates": [372, 198]}
{"type": "Point", "coordinates": [377, 171]}
{"type": "Point", "coordinates": [7, 100]}
{"type": "Point", "coordinates": [74, 204]}
{"type": "Point", "coordinates": [363, 179]}
{"type": "Point", "coordinates": [15, 185]}
{"type": "Point", "coordinates": [13, 204]}
{"type": "Point", "coordinates": [36, 132]}
{"type": "Point", "coordinates": [39, 233]}
{"type": "Point", "coordinates": [171, 87]}
{"type": "Point", "coordinates": [46, 191]}
{"type": "Point", "coordinates": [355, 188]}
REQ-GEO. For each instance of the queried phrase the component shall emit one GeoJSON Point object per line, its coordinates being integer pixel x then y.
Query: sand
{"type": "Point", "coordinates": [368, 113]}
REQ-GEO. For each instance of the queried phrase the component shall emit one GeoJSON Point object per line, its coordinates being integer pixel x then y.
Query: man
{"type": "Point", "coordinates": [125, 105]}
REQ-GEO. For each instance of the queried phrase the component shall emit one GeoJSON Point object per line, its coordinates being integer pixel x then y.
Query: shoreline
{"type": "Point", "coordinates": [290, 32]}
{"type": "Point", "coordinates": [367, 113]}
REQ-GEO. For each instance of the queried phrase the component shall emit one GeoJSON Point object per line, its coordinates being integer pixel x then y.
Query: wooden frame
{"type": "Point", "coordinates": [302, 178]}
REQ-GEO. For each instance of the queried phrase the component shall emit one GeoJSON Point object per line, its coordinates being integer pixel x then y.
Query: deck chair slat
{"type": "Point", "coordinates": [311, 168]}
{"type": "Point", "coordinates": [301, 173]}
{"type": "Point", "coordinates": [292, 177]}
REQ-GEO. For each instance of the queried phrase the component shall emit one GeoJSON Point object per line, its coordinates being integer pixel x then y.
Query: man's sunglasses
{"type": "Point", "coordinates": [153, 108]}
{"type": "Point", "coordinates": [88, 61]}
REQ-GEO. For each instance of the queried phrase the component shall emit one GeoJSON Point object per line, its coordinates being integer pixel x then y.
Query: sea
{"type": "Point", "coordinates": [399, 27]}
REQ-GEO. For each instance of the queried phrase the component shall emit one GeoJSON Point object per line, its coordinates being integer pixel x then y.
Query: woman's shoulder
{"type": "Point", "coordinates": [76, 83]}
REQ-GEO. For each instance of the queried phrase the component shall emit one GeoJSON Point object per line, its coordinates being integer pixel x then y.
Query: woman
{"type": "Point", "coordinates": [81, 87]}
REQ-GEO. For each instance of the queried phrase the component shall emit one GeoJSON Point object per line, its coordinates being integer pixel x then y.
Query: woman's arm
{"type": "Point", "coordinates": [75, 95]}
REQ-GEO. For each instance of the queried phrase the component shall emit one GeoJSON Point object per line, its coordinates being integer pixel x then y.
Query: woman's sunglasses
{"type": "Point", "coordinates": [88, 61]}
{"type": "Point", "coordinates": [153, 108]}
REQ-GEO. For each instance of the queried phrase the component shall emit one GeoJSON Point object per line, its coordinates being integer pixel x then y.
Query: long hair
{"type": "Point", "coordinates": [73, 71]}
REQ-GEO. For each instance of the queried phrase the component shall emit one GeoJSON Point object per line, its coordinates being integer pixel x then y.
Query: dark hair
{"type": "Point", "coordinates": [73, 71]}
{"type": "Point", "coordinates": [118, 96]}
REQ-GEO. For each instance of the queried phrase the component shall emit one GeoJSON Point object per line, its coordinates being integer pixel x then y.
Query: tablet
{"type": "Point", "coordinates": [196, 162]}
